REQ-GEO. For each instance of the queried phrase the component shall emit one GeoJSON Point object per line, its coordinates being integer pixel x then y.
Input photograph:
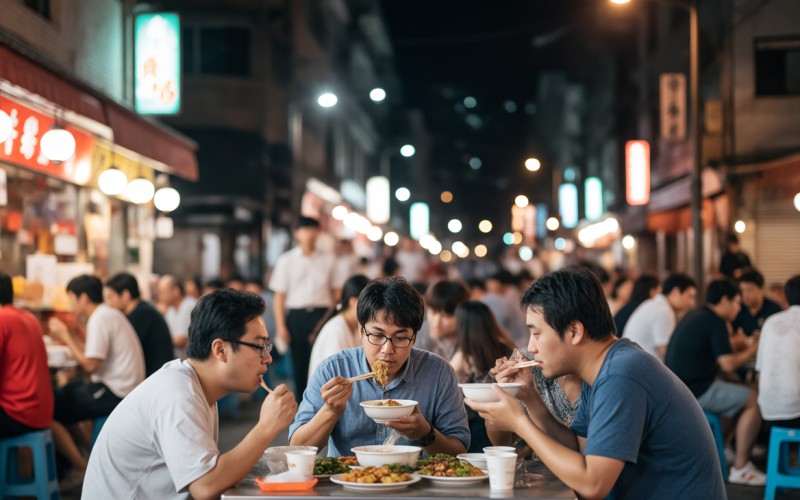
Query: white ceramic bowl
{"type": "Point", "coordinates": [476, 459]}
{"type": "Point", "coordinates": [382, 414]}
{"type": "Point", "coordinates": [483, 393]}
{"type": "Point", "coordinates": [378, 455]}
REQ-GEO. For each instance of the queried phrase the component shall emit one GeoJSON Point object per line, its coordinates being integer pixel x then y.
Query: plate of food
{"type": "Point", "coordinates": [376, 479]}
{"type": "Point", "coordinates": [326, 467]}
{"type": "Point", "coordinates": [447, 470]}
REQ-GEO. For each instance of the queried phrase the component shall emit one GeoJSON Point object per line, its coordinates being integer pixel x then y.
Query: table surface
{"type": "Point", "coordinates": [533, 480]}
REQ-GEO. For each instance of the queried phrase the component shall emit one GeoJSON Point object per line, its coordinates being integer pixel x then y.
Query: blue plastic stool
{"type": "Point", "coordinates": [44, 483]}
{"type": "Point", "coordinates": [719, 438]}
{"type": "Point", "coordinates": [779, 473]}
{"type": "Point", "coordinates": [97, 425]}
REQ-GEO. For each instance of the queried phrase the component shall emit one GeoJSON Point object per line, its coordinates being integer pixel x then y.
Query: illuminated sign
{"type": "Point", "coordinates": [637, 172]}
{"type": "Point", "coordinates": [593, 195]}
{"type": "Point", "coordinates": [420, 217]}
{"type": "Point", "coordinates": [568, 204]}
{"type": "Point", "coordinates": [378, 198]}
{"type": "Point", "coordinates": [157, 72]}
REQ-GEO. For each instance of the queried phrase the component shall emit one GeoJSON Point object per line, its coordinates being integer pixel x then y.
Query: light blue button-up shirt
{"type": "Point", "coordinates": [425, 378]}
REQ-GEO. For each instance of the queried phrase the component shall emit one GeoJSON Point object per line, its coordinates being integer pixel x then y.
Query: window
{"type": "Point", "coordinates": [777, 66]}
{"type": "Point", "coordinates": [216, 51]}
{"type": "Point", "coordinates": [42, 7]}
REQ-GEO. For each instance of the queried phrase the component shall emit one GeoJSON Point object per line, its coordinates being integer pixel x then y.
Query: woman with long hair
{"type": "Point", "coordinates": [338, 329]}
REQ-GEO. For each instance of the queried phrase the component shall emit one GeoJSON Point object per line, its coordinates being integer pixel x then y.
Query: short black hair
{"type": "Point", "coordinates": [89, 285]}
{"type": "Point", "coordinates": [568, 295]}
{"type": "Point", "coordinates": [792, 290]}
{"type": "Point", "coordinates": [680, 281]}
{"type": "Point", "coordinates": [732, 239]}
{"type": "Point", "coordinates": [215, 283]}
{"type": "Point", "coordinates": [124, 281]}
{"type": "Point", "coordinates": [642, 287]}
{"type": "Point", "coordinates": [304, 221]}
{"type": "Point", "coordinates": [446, 295]}
{"type": "Point", "coordinates": [222, 314]}
{"type": "Point", "coordinates": [401, 303]}
{"type": "Point", "coordinates": [176, 283]}
{"type": "Point", "coordinates": [718, 289]}
{"type": "Point", "coordinates": [476, 283]}
{"type": "Point", "coordinates": [752, 276]}
{"type": "Point", "coordinates": [6, 289]}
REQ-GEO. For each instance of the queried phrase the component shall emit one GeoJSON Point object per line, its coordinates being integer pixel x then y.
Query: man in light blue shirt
{"type": "Point", "coordinates": [390, 313]}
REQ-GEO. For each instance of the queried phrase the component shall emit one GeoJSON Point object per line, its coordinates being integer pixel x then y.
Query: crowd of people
{"type": "Point", "coordinates": [625, 364]}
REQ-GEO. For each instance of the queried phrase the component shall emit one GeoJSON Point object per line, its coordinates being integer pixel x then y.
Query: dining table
{"type": "Point", "coordinates": [532, 480]}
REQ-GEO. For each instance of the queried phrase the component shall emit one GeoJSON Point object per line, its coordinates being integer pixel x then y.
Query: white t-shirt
{"type": "Point", "coordinates": [307, 280]}
{"type": "Point", "coordinates": [178, 319]}
{"type": "Point", "coordinates": [334, 336]}
{"type": "Point", "coordinates": [651, 325]}
{"type": "Point", "coordinates": [159, 440]}
{"type": "Point", "coordinates": [778, 360]}
{"type": "Point", "coordinates": [111, 337]}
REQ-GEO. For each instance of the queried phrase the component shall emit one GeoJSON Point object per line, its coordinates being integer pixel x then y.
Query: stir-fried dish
{"type": "Point", "coordinates": [381, 371]}
{"type": "Point", "coordinates": [443, 465]}
{"type": "Point", "coordinates": [391, 473]}
{"type": "Point", "coordinates": [325, 466]}
{"type": "Point", "coordinates": [348, 461]}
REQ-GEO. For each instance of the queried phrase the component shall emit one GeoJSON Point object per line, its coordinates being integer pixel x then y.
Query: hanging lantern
{"type": "Point", "coordinates": [167, 199]}
{"type": "Point", "coordinates": [140, 191]}
{"type": "Point", "coordinates": [6, 126]}
{"type": "Point", "coordinates": [58, 144]}
{"type": "Point", "coordinates": [112, 182]}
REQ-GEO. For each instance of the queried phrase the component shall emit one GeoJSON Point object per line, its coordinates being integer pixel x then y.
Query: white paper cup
{"type": "Point", "coordinates": [493, 450]}
{"type": "Point", "coordinates": [502, 467]}
{"type": "Point", "coordinates": [301, 463]}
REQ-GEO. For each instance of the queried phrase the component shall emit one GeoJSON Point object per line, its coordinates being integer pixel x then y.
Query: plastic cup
{"type": "Point", "coordinates": [492, 450]}
{"type": "Point", "coordinates": [502, 467]}
{"type": "Point", "coordinates": [301, 463]}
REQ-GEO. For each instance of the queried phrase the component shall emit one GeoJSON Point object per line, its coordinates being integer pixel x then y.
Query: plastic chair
{"type": "Point", "coordinates": [719, 438]}
{"type": "Point", "coordinates": [97, 425]}
{"type": "Point", "coordinates": [44, 483]}
{"type": "Point", "coordinates": [779, 473]}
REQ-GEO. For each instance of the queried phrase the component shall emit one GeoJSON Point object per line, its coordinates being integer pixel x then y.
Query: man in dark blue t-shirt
{"type": "Point", "coordinates": [756, 307]}
{"type": "Point", "coordinates": [638, 432]}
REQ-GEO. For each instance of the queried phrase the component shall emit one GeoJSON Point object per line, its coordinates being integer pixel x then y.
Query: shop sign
{"type": "Point", "coordinates": [157, 75]}
{"type": "Point", "coordinates": [637, 172]}
{"type": "Point", "coordinates": [23, 146]}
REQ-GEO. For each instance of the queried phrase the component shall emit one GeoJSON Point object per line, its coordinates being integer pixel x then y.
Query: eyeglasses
{"type": "Point", "coordinates": [265, 348]}
{"type": "Point", "coordinates": [378, 339]}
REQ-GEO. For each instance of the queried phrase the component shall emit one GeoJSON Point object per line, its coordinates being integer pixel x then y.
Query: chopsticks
{"type": "Point", "coordinates": [361, 377]}
{"type": "Point", "coordinates": [526, 364]}
{"type": "Point", "coordinates": [266, 387]}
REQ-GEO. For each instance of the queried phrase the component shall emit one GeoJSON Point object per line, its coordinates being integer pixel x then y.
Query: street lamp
{"type": "Point", "coordinates": [694, 105]}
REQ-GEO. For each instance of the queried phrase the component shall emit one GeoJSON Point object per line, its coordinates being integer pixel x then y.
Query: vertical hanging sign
{"type": "Point", "coordinates": [157, 72]}
{"type": "Point", "coordinates": [672, 90]}
{"type": "Point", "coordinates": [637, 172]}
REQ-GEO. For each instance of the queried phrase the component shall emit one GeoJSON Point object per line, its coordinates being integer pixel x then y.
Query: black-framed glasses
{"type": "Point", "coordinates": [265, 348]}
{"type": "Point", "coordinates": [378, 339]}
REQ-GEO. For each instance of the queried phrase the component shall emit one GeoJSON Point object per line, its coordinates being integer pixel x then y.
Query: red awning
{"type": "Point", "coordinates": [131, 131]}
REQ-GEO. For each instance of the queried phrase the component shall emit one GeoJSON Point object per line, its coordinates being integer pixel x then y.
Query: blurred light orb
{"type": "Point", "coordinates": [797, 202]}
{"type": "Point", "coordinates": [339, 212]}
{"type": "Point", "coordinates": [560, 244]}
{"type": "Point", "coordinates": [435, 248]}
{"type": "Point", "coordinates": [112, 182]}
{"type": "Point", "coordinates": [517, 237]}
{"type": "Point", "coordinates": [454, 225]}
{"type": "Point", "coordinates": [628, 242]}
{"type": "Point", "coordinates": [470, 102]}
{"type": "Point", "coordinates": [446, 197]}
{"type": "Point", "coordinates": [140, 191]}
{"type": "Point", "coordinates": [391, 238]}
{"type": "Point", "coordinates": [508, 238]}
{"type": "Point", "coordinates": [377, 94]}
{"type": "Point", "coordinates": [480, 251]}
{"type": "Point", "coordinates": [446, 256]}
{"type": "Point", "coordinates": [58, 144]}
{"type": "Point", "coordinates": [475, 163]}
{"type": "Point", "coordinates": [532, 164]}
{"type": "Point", "coordinates": [552, 224]}
{"type": "Point", "coordinates": [521, 201]}
{"type": "Point", "coordinates": [327, 100]}
{"type": "Point", "coordinates": [740, 226]}
{"type": "Point", "coordinates": [167, 199]}
{"type": "Point", "coordinates": [525, 253]}
{"type": "Point", "coordinates": [510, 106]}
{"type": "Point", "coordinates": [485, 226]}
{"type": "Point", "coordinates": [402, 194]}
{"type": "Point", "coordinates": [408, 150]}
{"type": "Point", "coordinates": [374, 233]}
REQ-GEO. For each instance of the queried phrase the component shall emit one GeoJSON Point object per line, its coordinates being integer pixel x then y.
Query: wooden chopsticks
{"type": "Point", "coordinates": [526, 364]}
{"type": "Point", "coordinates": [266, 387]}
{"type": "Point", "coordinates": [361, 377]}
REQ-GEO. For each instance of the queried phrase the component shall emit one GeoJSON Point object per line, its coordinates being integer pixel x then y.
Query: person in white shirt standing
{"type": "Point", "coordinates": [305, 282]}
{"type": "Point", "coordinates": [179, 311]}
{"type": "Point", "coordinates": [653, 322]}
{"type": "Point", "coordinates": [778, 363]}
{"type": "Point", "coordinates": [161, 441]}
{"type": "Point", "coordinates": [113, 357]}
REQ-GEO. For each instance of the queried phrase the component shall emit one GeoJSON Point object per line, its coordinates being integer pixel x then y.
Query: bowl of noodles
{"type": "Point", "coordinates": [387, 410]}
{"type": "Point", "coordinates": [381, 454]}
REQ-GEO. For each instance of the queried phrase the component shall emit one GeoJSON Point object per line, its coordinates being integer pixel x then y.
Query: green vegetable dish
{"type": "Point", "coordinates": [443, 465]}
{"type": "Point", "coordinates": [327, 466]}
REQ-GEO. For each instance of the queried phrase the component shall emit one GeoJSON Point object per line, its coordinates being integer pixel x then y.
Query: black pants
{"type": "Point", "coordinates": [301, 324]}
{"type": "Point", "coordinates": [83, 401]}
{"type": "Point", "coordinates": [11, 428]}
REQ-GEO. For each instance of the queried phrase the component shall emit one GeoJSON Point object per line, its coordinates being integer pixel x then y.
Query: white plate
{"type": "Point", "coordinates": [455, 481]}
{"type": "Point", "coordinates": [374, 487]}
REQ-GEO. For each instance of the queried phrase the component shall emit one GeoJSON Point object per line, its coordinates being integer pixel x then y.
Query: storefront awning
{"type": "Point", "coordinates": [130, 131]}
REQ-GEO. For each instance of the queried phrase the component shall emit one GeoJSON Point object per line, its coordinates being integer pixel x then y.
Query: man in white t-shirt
{"type": "Point", "coordinates": [652, 323]}
{"type": "Point", "coordinates": [112, 355]}
{"type": "Point", "coordinates": [778, 363]}
{"type": "Point", "coordinates": [179, 311]}
{"type": "Point", "coordinates": [161, 441]}
{"type": "Point", "coordinates": [306, 283]}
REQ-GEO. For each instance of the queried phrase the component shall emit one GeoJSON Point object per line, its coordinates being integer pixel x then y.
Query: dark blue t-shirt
{"type": "Point", "coordinates": [640, 412]}
{"type": "Point", "coordinates": [749, 322]}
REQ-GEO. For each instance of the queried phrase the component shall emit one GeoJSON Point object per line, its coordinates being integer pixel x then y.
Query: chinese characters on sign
{"type": "Point", "coordinates": [23, 146]}
{"type": "Point", "coordinates": [157, 76]}
{"type": "Point", "coordinates": [673, 106]}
